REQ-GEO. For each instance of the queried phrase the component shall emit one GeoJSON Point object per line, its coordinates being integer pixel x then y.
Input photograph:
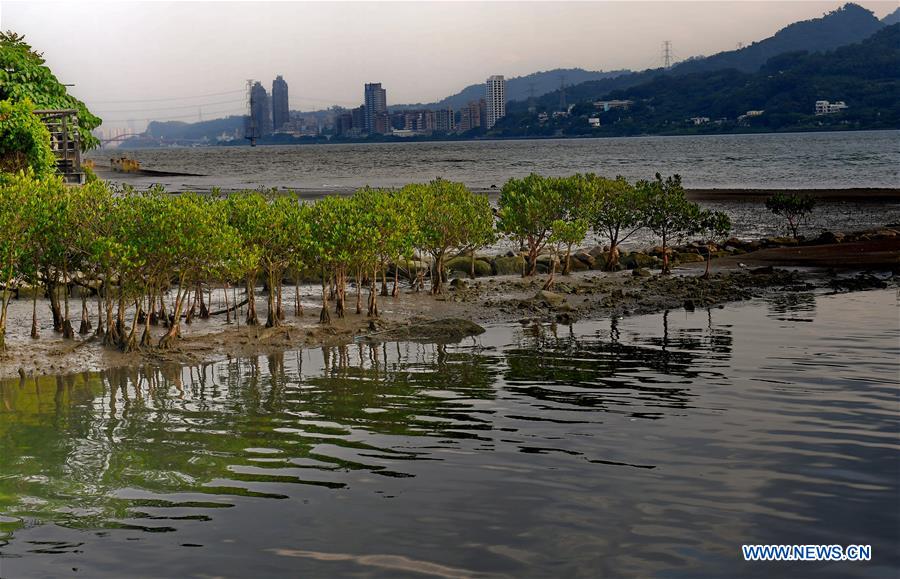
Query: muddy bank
{"type": "Point", "coordinates": [740, 270]}
{"type": "Point", "coordinates": [859, 194]}
{"type": "Point", "coordinates": [448, 318]}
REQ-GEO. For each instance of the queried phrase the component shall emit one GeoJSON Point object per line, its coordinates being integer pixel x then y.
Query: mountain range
{"type": "Point", "coordinates": [847, 25]}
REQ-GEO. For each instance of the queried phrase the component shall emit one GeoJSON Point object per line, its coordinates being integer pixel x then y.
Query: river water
{"type": "Point", "coordinates": [646, 446]}
{"type": "Point", "coordinates": [769, 161]}
{"type": "Point", "coordinates": [778, 161]}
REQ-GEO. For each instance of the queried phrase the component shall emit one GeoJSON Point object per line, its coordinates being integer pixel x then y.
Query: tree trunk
{"type": "Point", "coordinates": [129, 344]}
{"type": "Point", "coordinates": [252, 319]}
{"type": "Point", "coordinates": [612, 256]}
{"type": "Point", "coordinates": [566, 264]}
{"type": "Point", "coordinates": [7, 294]}
{"type": "Point", "coordinates": [227, 309]}
{"type": "Point", "coordinates": [298, 305]}
{"type": "Point", "coordinates": [272, 318]}
{"type": "Point", "coordinates": [204, 311]}
{"type": "Point", "coordinates": [325, 315]}
{"type": "Point", "coordinates": [85, 327]}
{"type": "Point", "coordinates": [437, 275]}
{"type": "Point", "coordinates": [55, 309]}
{"type": "Point", "coordinates": [532, 261]}
{"type": "Point", "coordinates": [396, 280]}
{"type": "Point", "coordinates": [373, 302]}
{"type": "Point", "coordinates": [665, 267]}
{"type": "Point", "coordinates": [340, 294]}
{"type": "Point", "coordinates": [68, 331]}
{"type": "Point", "coordinates": [384, 284]}
{"type": "Point", "coordinates": [145, 337]}
{"type": "Point", "coordinates": [174, 330]}
{"type": "Point", "coordinates": [34, 324]}
{"type": "Point", "coordinates": [99, 331]}
{"type": "Point", "coordinates": [551, 280]}
{"type": "Point", "coordinates": [359, 284]}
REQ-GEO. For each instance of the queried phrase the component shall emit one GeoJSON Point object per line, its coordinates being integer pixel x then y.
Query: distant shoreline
{"type": "Point", "coordinates": [855, 194]}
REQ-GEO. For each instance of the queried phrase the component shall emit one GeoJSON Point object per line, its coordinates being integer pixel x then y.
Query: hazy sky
{"type": "Point", "coordinates": [168, 60]}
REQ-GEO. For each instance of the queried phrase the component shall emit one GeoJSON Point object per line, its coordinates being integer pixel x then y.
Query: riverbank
{"type": "Point", "coordinates": [742, 270]}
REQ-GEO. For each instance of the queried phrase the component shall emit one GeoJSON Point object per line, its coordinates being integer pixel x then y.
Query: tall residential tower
{"type": "Point", "coordinates": [495, 99]}
{"type": "Point", "coordinates": [280, 109]}
{"type": "Point", "coordinates": [376, 105]}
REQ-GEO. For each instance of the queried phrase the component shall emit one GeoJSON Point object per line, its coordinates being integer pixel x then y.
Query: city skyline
{"type": "Point", "coordinates": [187, 61]}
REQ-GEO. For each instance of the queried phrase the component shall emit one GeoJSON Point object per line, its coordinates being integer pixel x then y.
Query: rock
{"type": "Point", "coordinates": [828, 238]}
{"type": "Point", "coordinates": [463, 265]}
{"type": "Point", "coordinates": [552, 299]}
{"type": "Point", "coordinates": [576, 264]}
{"type": "Point", "coordinates": [586, 258]}
{"type": "Point", "coordinates": [638, 259]}
{"type": "Point", "coordinates": [689, 305]}
{"type": "Point", "coordinates": [780, 241]}
{"type": "Point", "coordinates": [658, 251]}
{"type": "Point", "coordinates": [566, 318]}
{"type": "Point", "coordinates": [435, 331]}
{"type": "Point", "coordinates": [514, 265]}
{"type": "Point", "coordinates": [689, 258]}
{"type": "Point", "coordinates": [763, 270]}
{"type": "Point", "coordinates": [597, 252]}
{"type": "Point", "coordinates": [640, 272]}
{"type": "Point", "coordinates": [460, 284]}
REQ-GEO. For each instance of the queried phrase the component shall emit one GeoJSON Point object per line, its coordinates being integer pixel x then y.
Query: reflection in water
{"type": "Point", "coordinates": [637, 446]}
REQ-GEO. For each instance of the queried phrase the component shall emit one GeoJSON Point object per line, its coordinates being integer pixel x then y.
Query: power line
{"type": "Point", "coordinates": [178, 98]}
{"type": "Point", "coordinates": [167, 108]}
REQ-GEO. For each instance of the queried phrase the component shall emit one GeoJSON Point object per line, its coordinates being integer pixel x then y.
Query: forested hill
{"type": "Point", "coordinates": [865, 75]}
{"type": "Point", "coordinates": [847, 25]}
{"type": "Point", "coordinates": [519, 88]}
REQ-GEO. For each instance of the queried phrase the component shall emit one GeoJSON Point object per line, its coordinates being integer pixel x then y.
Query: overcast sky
{"type": "Point", "coordinates": [181, 60]}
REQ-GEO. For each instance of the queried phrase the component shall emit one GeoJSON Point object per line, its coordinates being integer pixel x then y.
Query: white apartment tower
{"type": "Point", "coordinates": [495, 99]}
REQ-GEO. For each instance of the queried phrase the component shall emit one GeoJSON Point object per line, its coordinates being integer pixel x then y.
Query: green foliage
{"type": "Point", "coordinates": [793, 207]}
{"type": "Point", "coordinates": [23, 76]}
{"type": "Point", "coordinates": [140, 249]}
{"type": "Point", "coordinates": [667, 212]}
{"type": "Point", "coordinates": [786, 86]}
{"type": "Point", "coordinates": [24, 140]}
{"type": "Point", "coordinates": [528, 208]}
{"type": "Point", "coordinates": [450, 217]}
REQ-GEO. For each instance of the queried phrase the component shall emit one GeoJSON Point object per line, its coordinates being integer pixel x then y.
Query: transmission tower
{"type": "Point", "coordinates": [667, 53]}
{"type": "Point", "coordinates": [250, 129]}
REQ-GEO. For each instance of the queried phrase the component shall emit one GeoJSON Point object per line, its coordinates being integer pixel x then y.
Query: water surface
{"type": "Point", "coordinates": [780, 161]}
{"type": "Point", "coordinates": [646, 446]}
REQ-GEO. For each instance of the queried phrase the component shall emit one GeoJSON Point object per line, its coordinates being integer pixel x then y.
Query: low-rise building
{"type": "Point", "coordinates": [829, 108]}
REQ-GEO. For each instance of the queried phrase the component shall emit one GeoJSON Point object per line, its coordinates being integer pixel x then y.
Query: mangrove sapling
{"type": "Point", "coordinates": [17, 228]}
{"type": "Point", "coordinates": [667, 212]}
{"type": "Point", "coordinates": [616, 214]}
{"type": "Point", "coordinates": [447, 212]}
{"type": "Point", "coordinates": [566, 234]}
{"type": "Point", "coordinates": [528, 208]}
{"type": "Point", "coordinates": [714, 226]}
{"type": "Point", "coordinates": [793, 207]}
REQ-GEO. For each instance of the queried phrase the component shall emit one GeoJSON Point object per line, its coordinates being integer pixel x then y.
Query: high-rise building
{"type": "Point", "coordinates": [280, 111]}
{"type": "Point", "coordinates": [260, 119]}
{"type": "Point", "coordinates": [443, 121]}
{"type": "Point", "coordinates": [470, 116]}
{"type": "Point", "coordinates": [495, 99]}
{"type": "Point", "coordinates": [375, 103]}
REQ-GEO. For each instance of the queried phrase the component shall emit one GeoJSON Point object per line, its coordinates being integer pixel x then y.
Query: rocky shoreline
{"type": "Point", "coordinates": [740, 270]}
